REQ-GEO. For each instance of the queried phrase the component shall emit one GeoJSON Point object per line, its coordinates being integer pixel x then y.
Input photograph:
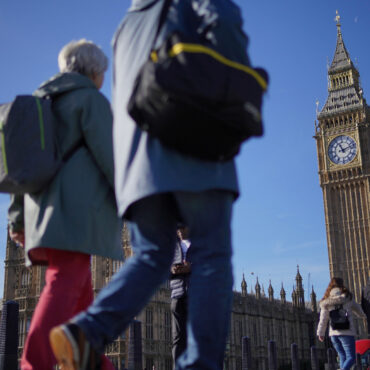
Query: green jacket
{"type": "Point", "coordinates": [77, 211]}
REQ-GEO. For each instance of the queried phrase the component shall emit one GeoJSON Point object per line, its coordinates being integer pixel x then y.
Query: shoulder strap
{"type": "Point", "coordinates": [162, 18]}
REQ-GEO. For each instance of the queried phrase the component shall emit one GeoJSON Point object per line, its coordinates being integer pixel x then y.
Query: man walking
{"type": "Point", "coordinates": [156, 188]}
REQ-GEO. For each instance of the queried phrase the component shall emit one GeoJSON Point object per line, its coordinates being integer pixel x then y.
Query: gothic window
{"type": "Point", "coordinates": [280, 336]}
{"type": "Point", "coordinates": [167, 325]}
{"type": "Point", "coordinates": [25, 278]}
{"type": "Point", "coordinates": [21, 331]}
{"type": "Point", "coordinates": [238, 332]}
{"type": "Point", "coordinates": [292, 335]}
{"type": "Point", "coordinates": [268, 330]}
{"type": "Point", "coordinates": [254, 328]}
{"type": "Point", "coordinates": [149, 323]}
{"type": "Point", "coordinates": [116, 265]}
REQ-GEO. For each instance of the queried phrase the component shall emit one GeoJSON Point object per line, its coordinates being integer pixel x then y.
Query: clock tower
{"type": "Point", "coordinates": [343, 140]}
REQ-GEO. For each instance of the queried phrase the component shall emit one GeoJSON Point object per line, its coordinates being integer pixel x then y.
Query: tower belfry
{"type": "Point", "coordinates": [343, 148]}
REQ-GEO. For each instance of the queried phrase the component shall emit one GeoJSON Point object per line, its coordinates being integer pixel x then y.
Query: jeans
{"type": "Point", "coordinates": [345, 347]}
{"type": "Point", "coordinates": [152, 227]}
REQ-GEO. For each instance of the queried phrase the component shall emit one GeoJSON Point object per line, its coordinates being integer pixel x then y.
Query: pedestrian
{"type": "Point", "coordinates": [75, 216]}
{"type": "Point", "coordinates": [365, 304]}
{"type": "Point", "coordinates": [157, 187]}
{"type": "Point", "coordinates": [179, 284]}
{"type": "Point", "coordinates": [337, 296]}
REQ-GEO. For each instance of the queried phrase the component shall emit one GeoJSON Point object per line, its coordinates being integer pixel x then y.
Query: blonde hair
{"type": "Point", "coordinates": [83, 57]}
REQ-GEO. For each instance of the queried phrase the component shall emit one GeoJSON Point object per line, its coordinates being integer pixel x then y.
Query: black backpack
{"type": "Point", "coordinates": [339, 318]}
{"type": "Point", "coordinates": [193, 96]}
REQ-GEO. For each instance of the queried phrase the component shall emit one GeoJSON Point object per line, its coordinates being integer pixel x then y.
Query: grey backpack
{"type": "Point", "coordinates": [29, 157]}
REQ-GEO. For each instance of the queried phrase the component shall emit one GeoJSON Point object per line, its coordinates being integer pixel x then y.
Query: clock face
{"type": "Point", "coordinates": [342, 149]}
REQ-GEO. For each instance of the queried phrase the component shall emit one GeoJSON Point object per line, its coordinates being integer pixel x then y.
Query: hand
{"type": "Point", "coordinates": [346, 149]}
{"type": "Point", "coordinates": [321, 339]}
{"type": "Point", "coordinates": [181, 268]}
{"type": "Point", "coordinates": [186, 267]}
{"type": "Point", "coordinates": [17, 237]}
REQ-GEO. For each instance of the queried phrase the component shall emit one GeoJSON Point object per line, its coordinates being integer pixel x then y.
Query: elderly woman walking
{"type": "Point", "coordinates": [342, 330]}
{"type": "Point", "coordinates": [75, 216]}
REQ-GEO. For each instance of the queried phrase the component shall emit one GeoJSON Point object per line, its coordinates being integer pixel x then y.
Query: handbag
{"type": "Point", "coordinates": [196, 100]}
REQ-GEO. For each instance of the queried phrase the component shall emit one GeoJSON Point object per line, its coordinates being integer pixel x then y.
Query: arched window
{"type": "Point", "coordinates": [149, 323]}
{"type": "Point", "coordinates": [25, 278]}
{"type": "Point", "coordinates": [116, 265]}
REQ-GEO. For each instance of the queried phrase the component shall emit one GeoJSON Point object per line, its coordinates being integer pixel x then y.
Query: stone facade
{"type": "Point", "coordinates": [263, 318]}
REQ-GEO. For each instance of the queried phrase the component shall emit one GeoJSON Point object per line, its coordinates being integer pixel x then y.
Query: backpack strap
{"type": "Point", "coordinates": [162, 18]}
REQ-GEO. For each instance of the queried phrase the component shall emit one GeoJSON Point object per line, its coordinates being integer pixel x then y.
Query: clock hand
{"type": "Point", "coordinates": [349, 147]}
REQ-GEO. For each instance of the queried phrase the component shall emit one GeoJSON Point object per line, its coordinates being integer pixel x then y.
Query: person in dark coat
{"type": "Point", "coordinates": [156, 188]}
{"type": "Point", "coordinates": [179, 284]}
{"type": "Point", "coordinates": [75, 216]}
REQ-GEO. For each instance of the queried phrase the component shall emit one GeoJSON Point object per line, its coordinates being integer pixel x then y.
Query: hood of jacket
{"type": "Point", "coordinates": [141, 4]}
{"type": "Point", "coordinates": [63, 82]}
{"type": "Point", "coordinates": [335, 298]}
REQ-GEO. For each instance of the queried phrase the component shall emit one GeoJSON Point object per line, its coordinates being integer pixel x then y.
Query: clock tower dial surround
{"type": "Point", "coordinates": [342, 133]}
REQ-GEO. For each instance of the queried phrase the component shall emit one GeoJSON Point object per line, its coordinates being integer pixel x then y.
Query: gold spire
{"type": "Point", "coordinates": [337, 19]}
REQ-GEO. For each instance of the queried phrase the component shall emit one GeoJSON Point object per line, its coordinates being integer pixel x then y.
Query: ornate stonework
{"type": "Point", "coordinates": [343, 149]}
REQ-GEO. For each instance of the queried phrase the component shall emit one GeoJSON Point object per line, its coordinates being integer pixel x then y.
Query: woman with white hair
{"type": "Point", "coordinates": [75, 216]}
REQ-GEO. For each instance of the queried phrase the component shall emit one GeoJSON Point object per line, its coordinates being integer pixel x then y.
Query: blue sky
{"type": "Point", "coordinates": [278, 221]}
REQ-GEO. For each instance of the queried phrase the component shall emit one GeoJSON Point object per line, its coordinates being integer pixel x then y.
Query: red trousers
{"type": "Point", "coordinates": [68, 290]}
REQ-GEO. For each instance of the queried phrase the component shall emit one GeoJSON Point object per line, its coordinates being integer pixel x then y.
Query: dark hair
{"type": "Point", "coordinates": [336, 282]}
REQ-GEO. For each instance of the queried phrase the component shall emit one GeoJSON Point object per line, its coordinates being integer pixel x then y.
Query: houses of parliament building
{"type": "Point", "coordinates": [342, 134]}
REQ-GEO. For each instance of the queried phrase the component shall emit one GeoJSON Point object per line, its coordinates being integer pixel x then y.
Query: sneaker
{"type": "Point", "coordinates": [72, 350]}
